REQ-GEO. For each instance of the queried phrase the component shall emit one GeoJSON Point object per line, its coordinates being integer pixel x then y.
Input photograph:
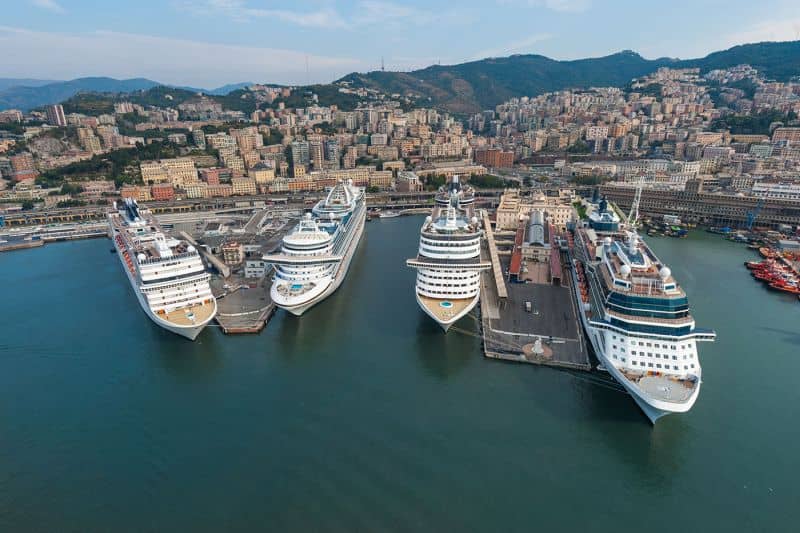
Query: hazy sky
{"type": "Point", "coordinates": [209, 43]}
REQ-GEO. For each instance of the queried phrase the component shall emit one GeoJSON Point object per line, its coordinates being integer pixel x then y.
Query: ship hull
{"type": "Point", "coordinates": [297, 309]}
{"type": "Point", "coordinates": [187, 332]}
{"type": "Point", "coordinates": [652, 408]}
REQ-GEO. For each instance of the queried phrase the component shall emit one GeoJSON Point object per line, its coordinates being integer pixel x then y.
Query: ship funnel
{"type": "Point", "coordinates": [633, 243]}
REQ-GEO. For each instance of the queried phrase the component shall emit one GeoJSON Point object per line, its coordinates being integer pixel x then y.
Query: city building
{"type": "Point", "coordinates": [232, 253]}
{"type": "Point", "coordinates": [178, 171]}
{"type": "Point", "coordinates": [55, 115]}
{"type": "Point", "coordinates": [162, 192]}
{"type": "Point", "coordinates": [243, 187]}
{"type": "Point", "coordinates": [494, 158]}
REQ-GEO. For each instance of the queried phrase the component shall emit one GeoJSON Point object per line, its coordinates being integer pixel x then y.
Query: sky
{"type": "Point", "coordinates": [208, 43]}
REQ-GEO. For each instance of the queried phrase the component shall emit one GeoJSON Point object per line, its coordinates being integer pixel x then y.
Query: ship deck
{"type": "Point", "coordinates": [639, 288]}
{"type": "Point", "coordinates": [664, 388]}
{"type": "Point", "coordinates": [445, 313]}
{"type": "Point", "coordinates": [293, 290]}
{"type": "Point", "coordinates": [182, 317]}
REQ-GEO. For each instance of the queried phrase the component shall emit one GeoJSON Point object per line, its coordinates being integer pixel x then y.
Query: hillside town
{"type": "Point", "coordinates": [728, 133]}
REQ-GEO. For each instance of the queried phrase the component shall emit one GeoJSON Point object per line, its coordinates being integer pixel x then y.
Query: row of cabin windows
{"type": "Point", "coordinates": [648, 354]}
{"type": "Point", "coordinates": [665, 366]}
{"type": "Point", "coordinates": [655, 345]}
{"type": "Point", "coordinates": [460, 253]}
{"type": "Point", "coordinates": [428, 284]}
{"type": "Point", "coordinates": [658, 365]}
{"type": "Point", "coordinates": [450, 244]}
{"type": "Point", "coordinates": [163, 288]}
{"type": "Point", "coordinates": [451, 293]}
{"type": "Point", "coordinates": [467, 277]}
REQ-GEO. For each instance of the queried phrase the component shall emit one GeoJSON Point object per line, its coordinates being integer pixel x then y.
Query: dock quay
{"type": "Point", "coordinates": [243, 296]}
{"type": "Point", "coordinates": [18, 239]}
{"type": "Point", "coordinates": [533, 320]}
{"type": "Point", "coordinates": [243, 306]}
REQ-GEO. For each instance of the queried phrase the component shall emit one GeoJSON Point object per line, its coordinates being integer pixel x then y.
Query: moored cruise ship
{"type": "Point", "coordinates": [316, 255]}
{"type": "Point", "coordinates": [448, 262]}
{"type": "Point", "coordinates": [167, 274]}
{"type": "Point", "coordinates": [637, 317]}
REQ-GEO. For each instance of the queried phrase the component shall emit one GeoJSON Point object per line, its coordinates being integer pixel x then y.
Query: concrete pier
{"type": "Point", "coordinates": [536, 322]}
{"type": "Point", "coordinates": [243, 307]}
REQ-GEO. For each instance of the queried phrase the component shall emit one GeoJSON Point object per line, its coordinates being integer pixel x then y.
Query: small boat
{"type": "Point", "coordinates": [785, 287]}
{"type": "Point", "coordinates": [766, 252]}
{"type": "Point", "coordinates": [389, 214]}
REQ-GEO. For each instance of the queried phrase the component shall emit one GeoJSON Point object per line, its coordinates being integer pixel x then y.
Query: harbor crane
{"type": "Point", "coordinates": [753, 215]}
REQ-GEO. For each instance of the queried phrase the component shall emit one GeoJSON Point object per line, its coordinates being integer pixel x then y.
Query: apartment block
{"type": "Point", "coordinates": [177, 172]}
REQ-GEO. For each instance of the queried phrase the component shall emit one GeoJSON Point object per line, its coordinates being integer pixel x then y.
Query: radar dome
{"type": "Point", "coordinates": [428, 218]}
{"type": "Point", "coordinates": [625, 270]}
{"type": "Point", "coordinates": [141, 257]}
{"type": "Point", "coordinates": [191, 249]}
{"type": "Point", "coordinates": [474, 220]}
{"type": "Point", "coordinates": [308, 216]}
{"type": "Point", "coordinates": [665, 273]}
{"type": "Point", "coordinates": [607, 241]}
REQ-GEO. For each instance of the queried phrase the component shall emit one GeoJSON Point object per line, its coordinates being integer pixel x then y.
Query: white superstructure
{"type": "Point", "coordinates": [316, 255]}
{"type": "Point", "coordinates": [167, 274]}
{"type": "Point", "coordinates": [448, 263]}
{"type": "Point", "coordinates": [638, 321]}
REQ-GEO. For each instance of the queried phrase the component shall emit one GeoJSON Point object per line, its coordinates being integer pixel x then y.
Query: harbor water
{"type": "Point", "coordinates": [363, 416]}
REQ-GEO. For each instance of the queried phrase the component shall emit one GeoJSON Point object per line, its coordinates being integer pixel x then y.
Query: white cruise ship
{"type": "Point", "coordinates": [637, 317]}
{"type": "Point", "coordinates": [316, 255]}
{"type": "Point", "coordinates": [167, 274]}
{"type": "Point", "coordinates": [448, 263]}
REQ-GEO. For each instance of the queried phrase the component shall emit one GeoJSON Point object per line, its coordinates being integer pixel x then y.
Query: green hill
{"type": "Point", "coordinates": [476, 85]}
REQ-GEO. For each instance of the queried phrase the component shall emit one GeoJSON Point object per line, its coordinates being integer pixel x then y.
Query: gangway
{"type": "Point", "coordinates": [497, 268]}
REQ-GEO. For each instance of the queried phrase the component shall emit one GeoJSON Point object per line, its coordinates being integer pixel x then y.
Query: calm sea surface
{"type": "Point", "coordinates": [362, 416]}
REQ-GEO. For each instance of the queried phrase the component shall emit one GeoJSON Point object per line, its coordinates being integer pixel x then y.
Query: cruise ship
{"type": "Point", "coordinates": [448, 263]}
{"type": "Point", "coordinates": [636, 316]}
{"type": "Point", "coordinates": [316, 254]}
{"type": "Point", "coordinates": [167, 274]}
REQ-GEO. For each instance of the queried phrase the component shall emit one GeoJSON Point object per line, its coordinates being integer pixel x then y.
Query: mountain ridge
{"type": "Point", "coordinates": [465, 87]}
{"type": "Point", "coordinates": [15, 95]}
{"type": "Point", "coordinates": [482, 84]}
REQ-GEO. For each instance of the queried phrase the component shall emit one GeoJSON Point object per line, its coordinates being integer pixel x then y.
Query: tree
{"type": "Point", "coordinates": [432, 183]}
{"type": "Point", "coordinates": [486, 181]}
{"type": "Point", "coordinates": [70, 203]}
{"type": "Point", "coordinates": [758, 124]}
{"type": "Point", "coordinates": [580, 147]}
{"type": "Point", "coordinates": [71, 188]}
{"type": "Point", "coordinates": [273, 137]}
{"type": "Point", "coordinates": [14, 128]}
{"type": "Point", "coordinates": [27, 205]}
{"type": "Point", "coordinates": [325, 128]}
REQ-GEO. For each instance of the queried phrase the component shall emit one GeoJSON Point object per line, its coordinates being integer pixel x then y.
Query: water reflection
{"type": "Point", "coordinates": [444, 355]}
{"type": "Point", "coordinates": [188, 361]}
